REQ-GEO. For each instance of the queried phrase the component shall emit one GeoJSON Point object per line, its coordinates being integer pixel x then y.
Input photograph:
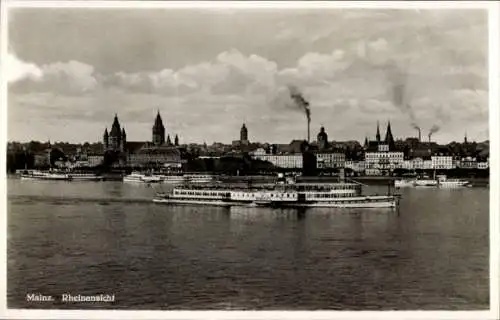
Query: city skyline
{"type": "Point", "coordinates": [210, 75]}
{"type": "Point", "coordinates": [424, 138]}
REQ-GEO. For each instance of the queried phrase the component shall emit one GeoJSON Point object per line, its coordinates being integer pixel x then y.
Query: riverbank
{"type": "Point", "coordinates": [368, 180]}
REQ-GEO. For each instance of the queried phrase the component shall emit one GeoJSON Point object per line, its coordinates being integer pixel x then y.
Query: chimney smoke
{"type": "Point", "coordinates": [433, 130]}
{"type": "Point", "coordinates": [419, 132]}
{"type": "Point", "coordinates": [303, 104]}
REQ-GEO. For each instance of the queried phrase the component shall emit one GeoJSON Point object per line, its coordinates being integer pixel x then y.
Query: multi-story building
{"type": "Point", "coordinates": [155, 156]}
{"type": "Point", "coordinates": [95, 160]}
{"type": "Point", "coordinates": [407, 164]}
{"type": "Point", "coordinates": [468, 163]}
{"type": "Point", "coordinates": [383, 159]}
{"type": "Point", "coordinates": [290, 161]}
{"type": "Point", "coordinates": [427, 164]}
{"type": "Point", "coordinates": [483, 165]}
{"type": "Point", "coordinates": [382, 155]}
{"type": "Point", "coordinates": [357, 166]}
{"type": "Point", "coordinates": [330, 160]}
{"type": "Point", "coordinates": [417, 163]}
{"type": "Point", "coordinates": [442, 162]}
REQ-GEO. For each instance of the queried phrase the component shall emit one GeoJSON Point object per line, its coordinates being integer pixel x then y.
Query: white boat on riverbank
{"type": "Point", "coordinates": [136, 177]}
{"type": "Point", "coordinates": [426, 183]}
{"type": "Point", "coordinates": [444, 182]}
{"type": "Point", "coordinates": [403, 183]}
{"type": "Point", "coordinates": [441, 181]}
{"type": "Point", "coordinates": [44, 175]}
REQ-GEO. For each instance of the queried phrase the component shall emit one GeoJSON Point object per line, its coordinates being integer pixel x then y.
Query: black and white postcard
{"type": "Point", "coordinates": [250, 156]}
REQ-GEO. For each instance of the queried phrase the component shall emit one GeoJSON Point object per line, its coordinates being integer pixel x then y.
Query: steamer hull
{"type": "Point", "coordinates": [340, 195]}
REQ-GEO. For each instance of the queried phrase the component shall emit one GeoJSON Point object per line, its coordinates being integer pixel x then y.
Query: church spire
{"type": "Point", "coordinates": [389, 139]}
{"type": "Point", "coordinates": [115, 128]}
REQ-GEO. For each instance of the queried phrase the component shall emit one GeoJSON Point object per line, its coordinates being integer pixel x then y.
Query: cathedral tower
{"type": "Point", "coordinates": [123, 141]}
{"type": "Point", "coordinates": [243, 133]}
{"type": "Point", "coordinates": [322, 139]}
{"type": "Point", "coordinates": [158, 131]}
{"type": "Point", "coordinates": [105, 139]}
{"type": "Point", "coordinates": [115, 135]}
{"type": "Point", "coordinates": [389, 139]}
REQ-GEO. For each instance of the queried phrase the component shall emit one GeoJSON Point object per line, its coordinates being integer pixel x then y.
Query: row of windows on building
{"type": "Point", "coordinates": [375, 160]}
{"type": "Point", "coordinates": [291, 161]}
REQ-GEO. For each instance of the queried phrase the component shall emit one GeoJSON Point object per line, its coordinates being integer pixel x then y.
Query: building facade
{"type": "Point", "coordinates": [288, 161]}
{"type": "Point", "coordinates": [330, 160]}
{"type": "Point", "coordinates": [483, 165]}
{"type": "Point", "coordinates": [381, 154]}
{"type": "Point", "coordinates": [95, 159]}
{"type": "Point", "coordinates": [154, 156]}
{"type": "Point", "coordinates": [468, 163]}
{"type": "Point", "coordinates": [383, 158]}
{"type": "Point", "coordinates": [442, 162]}
{"type": "Point", "coordinates": [357, 166]}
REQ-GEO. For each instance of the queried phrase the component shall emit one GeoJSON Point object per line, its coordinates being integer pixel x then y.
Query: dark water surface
{"type": "Point", "coordinates": [107, 237]}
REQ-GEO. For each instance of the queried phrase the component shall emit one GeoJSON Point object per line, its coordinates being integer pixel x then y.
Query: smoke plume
{"type": "Point", "coordinates": [398, 80]}
{"type": "Point", "coordinates": [419, 131]}
{"type": "Point", "coordinates": [433, 130]}
{"type": "Point", "coordinates": [300, 101]}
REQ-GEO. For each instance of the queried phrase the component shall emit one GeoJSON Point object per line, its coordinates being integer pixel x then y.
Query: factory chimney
{"type": "Point", "coordinates": [308, 130]}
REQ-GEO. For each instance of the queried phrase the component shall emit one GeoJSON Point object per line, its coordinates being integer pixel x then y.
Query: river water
{"type": "Point", "coordinates": [90, 238]}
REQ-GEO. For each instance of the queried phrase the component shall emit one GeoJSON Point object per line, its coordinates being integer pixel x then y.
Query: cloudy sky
{"type": "Point", "coordinates": [208, 71]}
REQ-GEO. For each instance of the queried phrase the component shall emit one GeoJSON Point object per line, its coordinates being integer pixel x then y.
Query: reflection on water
{"type": "Point", "coordinates": [109, 237]}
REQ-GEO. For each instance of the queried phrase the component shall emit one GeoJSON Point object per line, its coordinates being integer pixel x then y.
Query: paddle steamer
{"type": "Point", "coordinates": [287, 194]}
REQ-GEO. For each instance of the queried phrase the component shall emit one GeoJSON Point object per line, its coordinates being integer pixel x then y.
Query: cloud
{"type": "Point", "coordinates": [19, 70]}
{"type": "Point", "coordinates": [63, 77]}
{"type": "Point", "coordinates": [347, 70]}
